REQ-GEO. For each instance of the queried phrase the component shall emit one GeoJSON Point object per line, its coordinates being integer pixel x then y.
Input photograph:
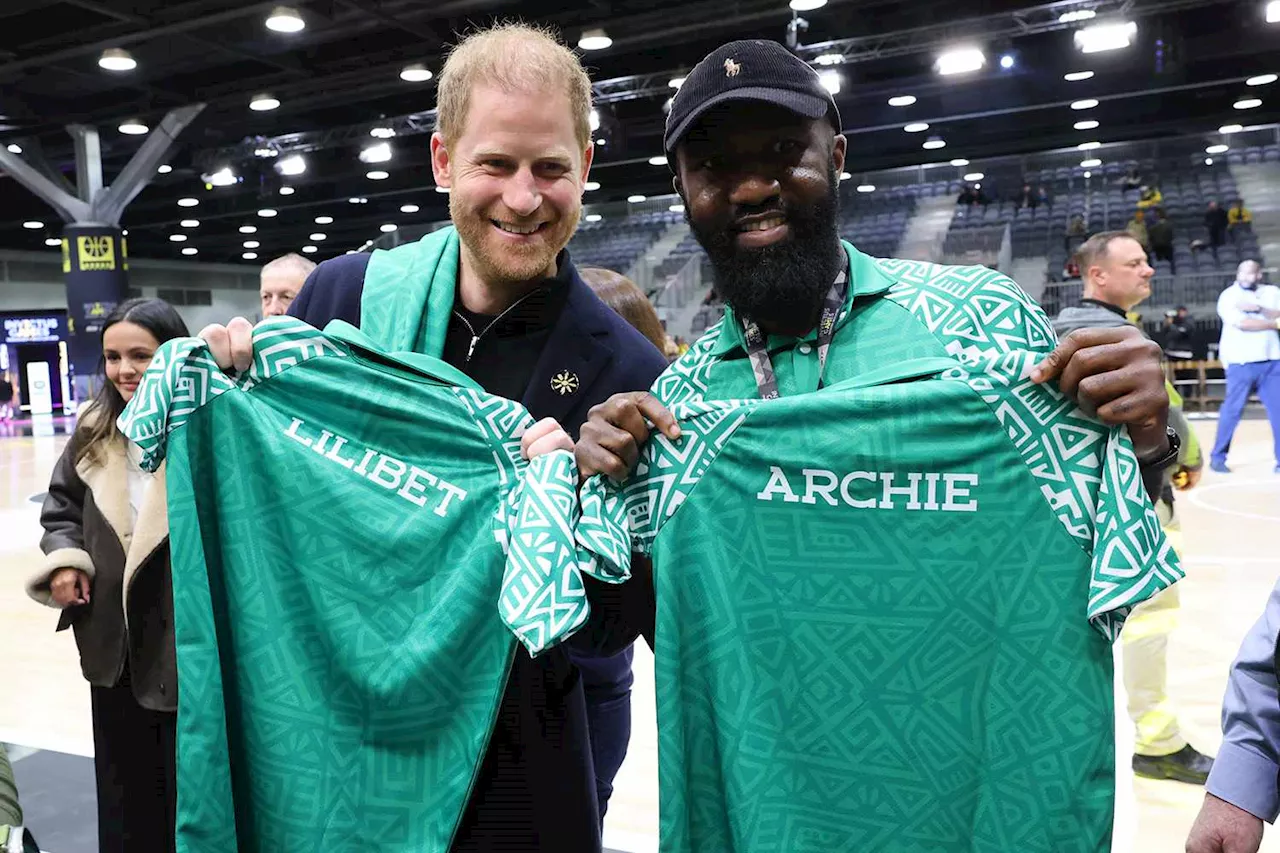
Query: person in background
{"type": "Point", "coordinates": [1026, 197]}
{"type": "Point", "coordinates": [968, 197]}
{"type": "Point", "coordinates": [1215, 220]}
{"type": "Point", "coordinates": [6, 396]}
{"type": "Point", "coordinates": [106, 567]}
{"type": "Point", "coordinates": [1117, 278]}
{"type": "Point", "coordinates": [12, 836]}
{"type": "Point", "coordinates": [1179, 343]}
{"type": "Point", "coordinates": [1042, 195]}
{"type": "Point", "coordinates": [1238, 218]}
{"type": "Point", "coordinates": [1250, 351]}
{"type": "Point", "coordinates": [1241, 792]}
{"type": "Point", "coordinates": [626, 298]}
{"type": "Point", "coordinates": [1150, 197]}
{"type": "Point", "coordinates": [1075, 234]}
{"type": "Point", "coordinates": [1160, 233]}
{"type": "Point", "coordinates": [282, 280]}
{"type": "Point", "coordinates": [1132, 179]}
{"type": "Point", "coordinates": [1137, 229]}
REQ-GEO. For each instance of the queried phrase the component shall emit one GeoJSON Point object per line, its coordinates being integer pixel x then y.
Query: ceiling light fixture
{"type": "Point", "coordinates": [250, 256]}
{"type": "Point", "coordinates": [14, 148]}
{"type": "Point", "coordinates": [1100, 37]}
{"type": "Point", "coordinates": [377, 153]}
{"type": "Point", "coordinates": [594, 39]}
{"type": "Point", "coordinates": [934, 142]}
{"type": "Point", "coordinates": [1247, 103]}
{"type": "Point", "coordinates": [133, 127]}
{"type": "Point", "coordinates": [1260, 80]}
{"type": "Point", "coordinates": [1208, 161]}
{"type": "Point", "coordinates": [177, 238]}
{"type": "Point", "coordinates": [1230, 128]}
{"type": "Point", "coordinates": [594, 217]}
{"type": "Point", "coordinates": [593, 119]}
{"type": "Point", "coordinates": [116, 59]}
{"type": "Point", "coordinates": [190, 250]}
{"type": "Point", "coordinates": [902, 100]}
{"type": "Point", "coordinates": [33, 225]}
{"type": "Point", "coordinates": [188, 202]}
{"type": "Point", "coordinates": [1086, 104]}
{"type": "Point", "coordinates": [591, 186]}
{"type": "Point", "coordinates": [959, 161]}
{"type": "Point", "coordinates": [1088, 146]}
{"type": "Point", "coordinates": [287, 191]}
{"type": "Point", "coordinates": [675, 82]}
{"type": "Point", "coordinates": [444, 190]}
{"type": "Point", "coordinates": [388, 227]}
{"type": "Point", "coordinates": [1077, 76]}
{"type": "Point", "coordinates": [961, 60]}
{"type": "Point", "coordinates": [248, 229]}
{"type": "Point", "coordinates": [830, 81]}
{"type": "Point", "coordinates": [285, 20]}
{"type": "Point", "coordinates": [224, 177]}
{"type": "Point", "coordinates": [52, 241]}
{"type": "Point", "coordinates": [974, 176]}
{"type": "Point", "coordinates": [263, 102]}
{"type": "Point", "coordinates": [658, 161]}
{"type": "Point", "coordinates": [1006, 61]}
{"type": "Point", "coordinates": [294, 164]}
{"type": "Point", "coordinates": [318, 237]}
{"type": "Point", "coordinates": [268, 213]}
{"type": "Point", "coordinates": [866, 188]}
{"type": "Point", "coordinates": [1217, 149]}
{"type": "Point", "coordinates": [190, 223]}
{"type": "Point", "coordinates": [1087, 124]}
{"type": "Point", "coordinates": [165, 169]}
{"type": "Point", "coordinates": [357, 200]}
{"type": "Point", "coordinates": [806, 5]}
{"type": "Point", "coordinates": [310, 250]}
{"type": "Point", "coordinates": [1076, 15]}
{"type": "Point", "coordinates": [916, 127]}
{"type": "Point", "coordinates": [409, 208]}
{"type": "Point", "coordinates": [416, 73]}
{"type": "Point", "coordinates": [251, 244]}
{"type": "Point", "coordinates": [676, 208]}
{"type": "Point", "coordinates": [829, 59]}
{"type": "Point", "coordinates": [382, 132]}
{"type": "Point", "coordinates": [1091, 163]}
{"type": "Point", "coordinates": [844, 176]}
{"type": "Point", "coordinates": [1273, 12]}
{"type": "Point", "coordinates": [377, 175]}
{"type": "Point", "coordinates": [324, 220]}
{"type": "Point", "coordinates": [636, 199]}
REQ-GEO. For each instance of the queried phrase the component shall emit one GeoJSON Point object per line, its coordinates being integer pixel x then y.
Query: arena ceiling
{"type": "Point", "coordinates": [1188, 63]}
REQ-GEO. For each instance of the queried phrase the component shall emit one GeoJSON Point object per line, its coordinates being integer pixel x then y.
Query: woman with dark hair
{"type": "Point", "coordinates": [106, 566]}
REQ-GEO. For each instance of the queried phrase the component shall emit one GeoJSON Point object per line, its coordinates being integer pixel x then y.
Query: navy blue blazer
{"type": "Point", "coordinates": [537, 787]}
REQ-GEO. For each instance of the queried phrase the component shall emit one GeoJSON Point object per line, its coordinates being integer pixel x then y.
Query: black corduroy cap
{"type": "Point", "coordinates": [753, 70]}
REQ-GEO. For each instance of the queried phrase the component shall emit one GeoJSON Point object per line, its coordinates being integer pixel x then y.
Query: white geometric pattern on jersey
{"type": "Point", "coordinates": [988, 324]}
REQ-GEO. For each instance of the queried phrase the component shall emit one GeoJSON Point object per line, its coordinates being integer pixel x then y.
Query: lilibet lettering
{"type": "Point", "coordinates": [928, 492]}
{"type": "Point", "coordinates": [407, 481]}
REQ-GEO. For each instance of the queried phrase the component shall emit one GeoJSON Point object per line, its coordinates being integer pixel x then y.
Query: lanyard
{"type": "Point", "coordinates": [757, 350]}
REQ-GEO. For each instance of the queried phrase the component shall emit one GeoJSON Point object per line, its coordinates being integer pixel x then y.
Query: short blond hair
{"type": "Point", "coordinates": [291, 264]}
{"type": "Point", "coordinates": [515, 57]}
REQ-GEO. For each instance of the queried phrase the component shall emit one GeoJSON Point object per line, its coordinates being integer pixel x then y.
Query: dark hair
{"type": "Point", "coordinates": [98, 423]}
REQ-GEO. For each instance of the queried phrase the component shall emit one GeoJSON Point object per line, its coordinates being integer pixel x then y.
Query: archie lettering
{"type": "Point", "coordinates": [407, 481]}
{"type": "Point", "coordinates": [874, 490]}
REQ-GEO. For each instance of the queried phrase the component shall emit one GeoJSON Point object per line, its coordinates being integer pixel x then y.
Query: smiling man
{"type": "Point", "coordinates": [497, 296]}
{"type": "Point", "coordinates": [890, 541]}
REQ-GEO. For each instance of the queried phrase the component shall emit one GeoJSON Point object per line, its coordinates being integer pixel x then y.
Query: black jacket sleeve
{"type": "Point", "coordinates": [62, 517]}
{"type": "Point", "coordinates": [620, 612]}
{"type": "Point", "coordinates": [332, 292]}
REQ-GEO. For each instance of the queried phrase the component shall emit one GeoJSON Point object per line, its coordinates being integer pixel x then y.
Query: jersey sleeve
{"type": "Point", "coordinates": [183, 376]}
{"type": "Point", "coordinates": [1087, 472]}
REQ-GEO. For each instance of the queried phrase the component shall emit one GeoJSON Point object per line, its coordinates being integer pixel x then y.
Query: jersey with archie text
{"type": "Point", "coordinates": [357, 545]}
{"type": "Point", "coordinates": [885, 608]}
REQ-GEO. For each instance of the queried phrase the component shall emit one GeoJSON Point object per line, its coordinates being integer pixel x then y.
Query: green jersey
{"type": "Point", "coordinates": [885, 608]}
{"type": "Point", "coordinates": [356, 546]}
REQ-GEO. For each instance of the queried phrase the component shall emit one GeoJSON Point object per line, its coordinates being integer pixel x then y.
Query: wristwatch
{"type": "Point", "coordinates": [1166, 459]}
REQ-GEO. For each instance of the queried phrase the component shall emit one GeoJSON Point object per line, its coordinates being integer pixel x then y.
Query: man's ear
{"type": "Point", "coordinates": [839, 146]}
{"type": "Point", "coordinates": [588, 157]}
{"type": "Point", "coordinates": [678, 187]}
{"type": "Point", "coordinates": [441, 164]}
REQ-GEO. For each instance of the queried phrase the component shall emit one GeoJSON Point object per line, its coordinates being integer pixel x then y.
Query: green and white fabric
{"type": "Point", "coordinates": [356, 546]}
{"type": "Point", "coordinates": [885, 608]}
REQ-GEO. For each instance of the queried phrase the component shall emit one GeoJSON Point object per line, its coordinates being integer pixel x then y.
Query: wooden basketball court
{"type": "Point", "coordinates": [1229, 526]}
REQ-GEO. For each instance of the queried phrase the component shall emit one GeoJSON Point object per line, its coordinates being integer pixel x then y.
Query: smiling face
{"type": "Point", "coordinates": [515, 175]}
{"type": "Point", "coordinates": [127, 349]}
{"type": "Point", "coordinates": [759, 186]}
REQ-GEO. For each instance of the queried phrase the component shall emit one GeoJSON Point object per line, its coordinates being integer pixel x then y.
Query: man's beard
{"type": "Point", "coordinates": [781, 285]}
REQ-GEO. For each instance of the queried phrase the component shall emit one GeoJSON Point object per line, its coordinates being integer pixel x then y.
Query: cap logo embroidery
{"type": "Point", "coordinates": [731, 68]}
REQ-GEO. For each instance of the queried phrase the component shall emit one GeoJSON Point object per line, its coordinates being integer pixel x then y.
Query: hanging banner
{"type": "Point", "coordinates": [97, 281]}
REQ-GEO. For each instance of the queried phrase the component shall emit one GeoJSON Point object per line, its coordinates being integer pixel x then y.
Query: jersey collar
{"type": "Point", "coordinates": [866, 279]}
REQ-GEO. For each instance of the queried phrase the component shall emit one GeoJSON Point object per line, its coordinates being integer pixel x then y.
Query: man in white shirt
{"type": "Point", "coordinates": [1250, 350]}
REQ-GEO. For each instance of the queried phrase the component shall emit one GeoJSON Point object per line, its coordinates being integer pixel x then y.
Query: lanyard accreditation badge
{"type": "Point", "coordinates": [757, 350]}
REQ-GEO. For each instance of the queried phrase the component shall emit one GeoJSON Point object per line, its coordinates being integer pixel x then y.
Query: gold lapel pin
{"type": "Point", "coordinates": [564, 383]}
